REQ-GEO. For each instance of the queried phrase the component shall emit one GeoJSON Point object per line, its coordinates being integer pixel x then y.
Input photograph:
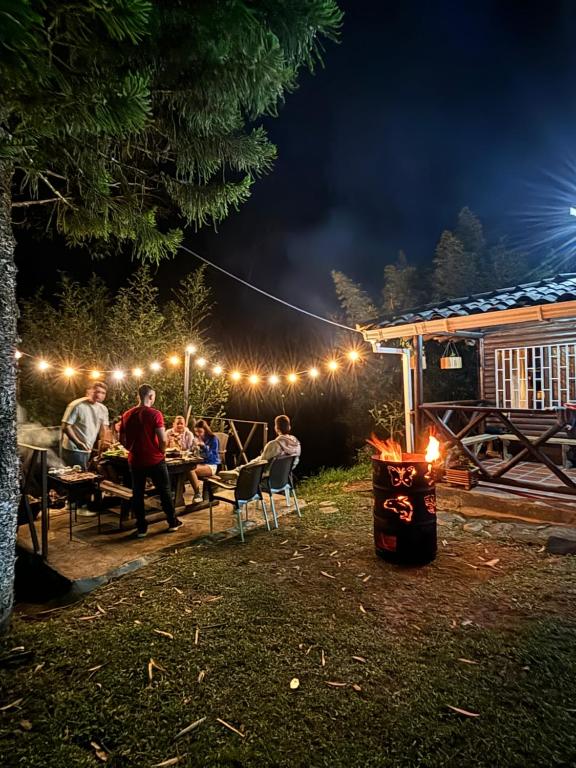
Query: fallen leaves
{"type": "Point", "coordinates": [468, 661]}
{"type": "Point", "coordinates": [230, 727]}
{"type": "Point", "coordinates": [163, 633]}
{"type": "Point", "coordinates": [26, 725]}
{"type": "Point", "coordinates": [336, 684]}
{"type": "Point", "coordinates": [464, 712]}
{"type": "Point", "coordinates": [13, 704]}
{"type": "Point", "coordinates": [361, 659]}
{"type": "Point", "coordinates": [201, 675]}
{"type": "Point", "coordinates": [152, 665]}
{"type": "Point", "coordinates": [170, 761]}
{"type": "Point", "coordinates": [100, 753]}
{"type": "Point", "coordinates": [294, 683]}
{"type": "Point", "coordinates": [328, 575]}
{"type": "Point", "coordinates": [190, 727]}
{"type": "Point", "coordinates": [362, 609]}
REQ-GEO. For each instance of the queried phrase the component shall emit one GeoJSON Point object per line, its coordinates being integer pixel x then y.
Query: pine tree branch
{"type": "Point", "coordinates": [27, 203]}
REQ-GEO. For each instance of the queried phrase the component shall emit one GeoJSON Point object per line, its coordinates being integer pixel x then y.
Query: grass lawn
{"type": "Point", "coordinates": [217, 632]}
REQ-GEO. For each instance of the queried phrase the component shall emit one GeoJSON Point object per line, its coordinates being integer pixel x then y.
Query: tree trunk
{"type": "Point", "coordinates": [9, 469]}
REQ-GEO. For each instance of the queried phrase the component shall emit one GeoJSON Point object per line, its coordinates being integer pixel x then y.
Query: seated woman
{"type": "Point", "coordinates": [179, 436]}
{"type": "Point", "coordinates": [209, 451]}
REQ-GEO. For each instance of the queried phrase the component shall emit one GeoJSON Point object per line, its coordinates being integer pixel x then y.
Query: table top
{"type": "Point", "coordinates": [171, 463]}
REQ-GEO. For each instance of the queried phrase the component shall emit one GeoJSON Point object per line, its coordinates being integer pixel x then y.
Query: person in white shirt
{"type": "Point", "coordinates": [284, 444]}
{"type": "Point", "coordinates": [83, 423]}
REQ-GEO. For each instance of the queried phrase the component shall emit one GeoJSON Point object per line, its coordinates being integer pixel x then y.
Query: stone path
{"type": "Point", "coordinates": [494, 528]}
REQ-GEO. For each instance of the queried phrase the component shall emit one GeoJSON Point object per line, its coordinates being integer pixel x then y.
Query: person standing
{"type": "Point", "coordinates": [83, 423]}
{"type": "Point", "coordinates": [142, 433]}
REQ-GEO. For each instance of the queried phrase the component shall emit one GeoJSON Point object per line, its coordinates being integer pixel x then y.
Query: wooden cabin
{"type": "Point", "coordinates": [526, 349]}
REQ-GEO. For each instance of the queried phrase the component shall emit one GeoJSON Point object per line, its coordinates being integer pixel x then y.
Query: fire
{"type": "Point", "coordinates": [432, 450]}
{"type": "Point", "coordinates": [389, 449]}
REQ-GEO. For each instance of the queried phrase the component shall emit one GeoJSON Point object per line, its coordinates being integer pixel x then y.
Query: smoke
{"type": "Point", "coordinates": [38, 436]}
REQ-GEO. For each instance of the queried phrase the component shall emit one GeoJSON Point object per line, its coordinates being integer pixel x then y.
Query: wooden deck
{"type": "Point", "coordinates": [93, 558]}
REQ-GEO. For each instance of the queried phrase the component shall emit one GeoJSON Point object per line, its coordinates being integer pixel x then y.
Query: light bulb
{"type": "Point", "coordinates": [69, 372]}
{"type": "Point", "coordinates": [332, 365]}
{"type": "Point", "coordinates": [273, 379]}
{"type": "Point", "coordinates": [353, 356]}
{"type": "Point", "coordinates": [118, 375]}
{"type": "Point", "coordinates": [217, 370]}
{"type": "Point", "coordinates": [313, 373]}
{"type": "Point", "coordinates": [155, 366]}
{"type": "Point", "coordinates": [174, 360]}
{"type": "Point", "coordinates": [95, 375]}
{"type": "Point", "coordinates": [190, 349]}
{"type": "Point", "coordinates": [43, 365]}
{"type": "Point", "coordinates": [254, 379]}
{"type": "Point", "coordinates": [292, 378]}
{"type": "Point", "coordinates": [201, 362]}
{"type": "Point", "coordinates": [137, 372]}
{"type": "Point", "coordinates": [235, 375]}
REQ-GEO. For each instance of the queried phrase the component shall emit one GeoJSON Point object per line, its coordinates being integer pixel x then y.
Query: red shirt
{"type": "Point", "coordinates": [138, 428]}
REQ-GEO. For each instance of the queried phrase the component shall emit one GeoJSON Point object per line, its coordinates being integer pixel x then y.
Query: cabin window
{"type": "Point", "coordinates": [536, 377]}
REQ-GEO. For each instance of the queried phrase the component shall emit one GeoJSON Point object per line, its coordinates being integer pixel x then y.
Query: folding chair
{"type": "Point", "coordinates": [245, 490]}
{"type": "Point", "coordinates": [279, 479]}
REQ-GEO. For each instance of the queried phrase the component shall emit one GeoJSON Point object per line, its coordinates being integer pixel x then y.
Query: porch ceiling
{"type": "Point", "coordinates": [473, 322]}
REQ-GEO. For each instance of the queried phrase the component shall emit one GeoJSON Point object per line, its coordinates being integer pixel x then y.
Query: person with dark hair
{"type": "Point", "coordinates": [209, 451]}
{"type": "Point", "coordinates": [142, 433]}
{"type": "Point", "coordinates": [83, 424]}
{"type": "Point", "coordinates": [179, 436]}
{"type": "Point", "coordinates": [284, 444]}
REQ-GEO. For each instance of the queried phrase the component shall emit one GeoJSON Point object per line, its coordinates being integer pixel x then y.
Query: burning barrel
{"type": "Point", "coordinates": [404, 504]}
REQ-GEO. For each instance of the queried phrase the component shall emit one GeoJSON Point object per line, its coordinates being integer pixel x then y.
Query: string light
{"type": "Point", "coordinates": [332, 365]}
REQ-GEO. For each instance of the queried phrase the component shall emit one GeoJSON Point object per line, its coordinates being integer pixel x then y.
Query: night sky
{"type": "Point", "coordinates": [421, 109]}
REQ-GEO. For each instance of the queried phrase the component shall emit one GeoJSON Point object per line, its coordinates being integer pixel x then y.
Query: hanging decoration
{"type": "Point", "coordinates": [450, 357]}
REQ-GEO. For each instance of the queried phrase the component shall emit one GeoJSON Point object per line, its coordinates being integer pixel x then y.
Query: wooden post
{"type": "Point", "coordinates": [418, 388]}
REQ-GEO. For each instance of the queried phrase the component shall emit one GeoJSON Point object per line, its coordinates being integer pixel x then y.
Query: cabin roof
{"type": "Point", "coordinates": [550, 290]}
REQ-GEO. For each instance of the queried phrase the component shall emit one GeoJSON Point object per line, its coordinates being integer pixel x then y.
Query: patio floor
{"type": "Point", "coordinates": [92, 558]}
{"type": "Point", "coordinates": [531, 472]}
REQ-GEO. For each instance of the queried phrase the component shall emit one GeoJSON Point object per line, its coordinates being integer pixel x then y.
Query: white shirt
{"type": "Point", "coordinates": [87, 418]}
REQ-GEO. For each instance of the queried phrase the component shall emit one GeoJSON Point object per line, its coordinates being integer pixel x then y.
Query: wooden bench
{"type": "Point", "coordinates": [565, 442]}
{"type": "Point", "coordinates": [477, 441]}
{"type": "Point", "coordinates": [121, 492]}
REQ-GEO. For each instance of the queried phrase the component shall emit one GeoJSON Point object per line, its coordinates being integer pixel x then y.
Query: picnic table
{"type": "Point", "coordinates": [178, 469]}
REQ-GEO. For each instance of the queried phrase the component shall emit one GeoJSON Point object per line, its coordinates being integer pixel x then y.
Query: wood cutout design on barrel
{"type": "Point", "coordinates": [404, 503]}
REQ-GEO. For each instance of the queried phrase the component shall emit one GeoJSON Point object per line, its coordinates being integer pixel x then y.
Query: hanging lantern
{"type": "Point", "coordinates": [450, 357]}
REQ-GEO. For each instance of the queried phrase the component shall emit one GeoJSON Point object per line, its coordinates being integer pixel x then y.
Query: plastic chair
{"type": "Point", "coordinates": [222, 442]}
{"type": "Point", "coordinates": [246, 489]}
{"type": "Point", "coordinates": [278, 480]}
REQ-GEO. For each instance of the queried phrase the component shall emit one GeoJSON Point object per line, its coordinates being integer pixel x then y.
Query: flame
{"type": "Point", "coordinates": [390, 450]}
{"type": "Point", "coordinates": [432, 450]}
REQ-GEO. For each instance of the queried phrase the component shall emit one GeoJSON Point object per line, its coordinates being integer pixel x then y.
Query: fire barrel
{"type": "Point", "coordinates": [404, 510]}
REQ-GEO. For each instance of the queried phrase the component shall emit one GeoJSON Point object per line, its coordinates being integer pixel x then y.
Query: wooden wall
{"type": "Point", "coordinates": [526, 335]}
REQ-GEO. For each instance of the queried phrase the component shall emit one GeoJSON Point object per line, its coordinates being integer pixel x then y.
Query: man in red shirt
{"type": "Point", "coordinates": [142, 432]}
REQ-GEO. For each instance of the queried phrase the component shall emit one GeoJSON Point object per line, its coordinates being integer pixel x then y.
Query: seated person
{"type": "Point", "coordinates": [179, 436]}
{"type": "Point", "coordinates": [284, 444]}
{"type": "Point", "coordinates": [209, 451]}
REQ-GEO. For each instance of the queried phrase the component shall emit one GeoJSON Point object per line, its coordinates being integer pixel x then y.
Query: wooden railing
{"type": "Point", "coordinates": [456, 421]}
{"type": "Point", "coordinates": [242, 436]}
